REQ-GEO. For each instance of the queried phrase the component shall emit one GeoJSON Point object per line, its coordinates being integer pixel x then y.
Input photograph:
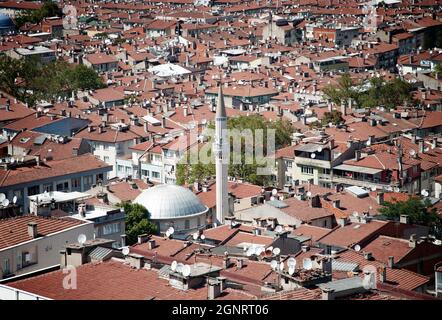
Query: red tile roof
{"type": "Point", "coordinates": [14, 231]}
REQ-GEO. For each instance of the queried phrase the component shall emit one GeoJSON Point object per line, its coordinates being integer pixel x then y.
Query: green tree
{"type": "Point", "coordinates": [189, 173]}
{"type": "Point", "coordinates": [29, 80]}
{"type": "Point", "coordinates": [335, 117]}
{"type": "Point", "coordinates": [86, 78]}
{"type": "Point", "coordinates": [420, 212]}
{"type": "Point", "coordinates": [48, 9]}
{"type": "Point", "coordinates": [342, 91]}
{"type": "Point", "coordinates": [137, 222]}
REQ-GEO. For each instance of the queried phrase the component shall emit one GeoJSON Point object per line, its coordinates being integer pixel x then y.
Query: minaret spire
{"type": "Point", "coordinates": [221, 158]}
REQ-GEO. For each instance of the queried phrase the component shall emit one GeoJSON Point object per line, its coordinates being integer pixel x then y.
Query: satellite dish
{"type": "Point", "coordinates": [307, 264]}
{"type": "Point", "coordinates": [179, 267]}
{"type": "Point", "coordinates": [412, 152]}
{"type": "Point", "coordinates": [2, 197]}
{"type": "Point", "coordinates": [396, 189]}
{"type": "Point", "coordinates": [313, 155]}
{"type": "Point", "coordinates": [274, 264]}
{"type": "Point", "coordinates": [186, 271]}
{"type": "Point", "coordinates": [171, 230]}
{"type": "Point", "coordinates": [309, 194]}
{"type": "Point", "coordinates": [167, 234]}
{"type": "Point", "coordinates": [357, 248]}
{"type": "Point", "coordinates": [250, 252]}
{"type": "Point", "coordinates": [279, 229]}
{"type": "Point", "coordinates": [125, 251]}
{"type": "Point", "coordinates": [373, 188]}
{"type": "Point", "coordinates": [424, 193]}
{"type": "Point", "coordinates": [14, 200]}
{"type": "Point", "coordinates": [291, 270]}
{"type": "Point", "coordinates": [291, 262]}
{"type": "Point", "coordinates": [319, 149]}
{"type": "Point", "coordinates": [274, 192]}
{"type": "Point", "coordinates": [173, 266]}
{"type": "Point", "coordinates": [276, 251]}
{"type": "Point", "coordinates": [259, 250]}
{"type": "Point", "coordinates": [82, 239]}
{"type": "Point", "coordinates": [203, 237]}
{"type": "Point", "coordinates": [5, 203]}
{"type": "Point", "coordinates": [195, 236]}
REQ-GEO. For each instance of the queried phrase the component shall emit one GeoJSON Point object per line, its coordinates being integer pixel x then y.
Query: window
{"type": "Point", "coordinates": [19, 194]}
{"type": "Point", "coordinates": [6, 267]}
{"type": "Point", "coordinates": [199, 221]}
{"type": "Point", "coordinates": [48, 187]}
{"type": "Point", "coordinates": [63, 186]}
{"type": "Point", "coordinates": [186, 224]}
{"type": "Point", "coordinates": [111, 228]}
{"type": "Point", "coordinates": [289, 164]}
{"type": "Point", "coordinates": [155, 175]}
{"type": "Point", "coordinates": [76, 183]}
{"type": "Point", "coordinates": [306, 170]}
{"type": "Point", "coordinates": [87, 182]}
{"type": "Point", "coordinates": [145, 173]}
{"type": "Point", "coordinates": [106, 159]}
{"type": "Point", "coordinates": [105, 147]}
{"type": "Point", "coordinates": [120, 168]}
{"type": "Point", "coordinates": [33, 190]}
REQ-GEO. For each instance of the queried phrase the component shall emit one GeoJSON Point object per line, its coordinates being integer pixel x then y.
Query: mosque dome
{"type": "Point", "coordinates": [168, 201]}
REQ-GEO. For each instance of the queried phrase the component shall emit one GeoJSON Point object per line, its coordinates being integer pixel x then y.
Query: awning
{"type": "Point", "coordinates": [348, 167]}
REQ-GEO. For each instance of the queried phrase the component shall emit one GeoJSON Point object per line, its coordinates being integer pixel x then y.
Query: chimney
{"type": "Point", "coordinates": [239, 264]}
{"type": "Point", "coordinates": [421, 146]}
{"type": "Point", "coordinates": [383, 274]}
{"type": "Point", "coordinates": [357, 155]}
{"type": "Point", "coordinates": [123, 240]}
{"type": "Point", "coordinates": [368, 256]}
{"type": "Point", "coordinates": [142, 238]}
{"type": "Point", "coordinates": [185, 112]}
{"type": "Point", "coordinates": [380, 198]}
{"type": "Point", "coordinates": [343, 108]}
{"type": "Point", "coordinates": [151, 244]}
{"type": "Point", "coordinates": [32, 230]}
{"type": "Point", "coordinates": [146, 127]}
{"type": "Point", "coordinates": [390, 261]}
{"type": "Point", "coordinates": [342, 222]}
{"type": "Point", "coordinates": [135, 260]}
{"type": "Point", "coordinates": [74, 152]}
{"type": "Point", "coordinates": [336, 203]}
{"type": "Point", "coordinates": [371, 139]}
{"type": "Point", "coordinates": [163, 122]}
{"type": "Point", "coordinates": [226, 262]}
{"type": "Point", "coordinates": [305, 248]}
{"type": "Point", "coordinates": [214, 289]}
{"type": "Point", "coordinates": [197, 186]}
{"type": "Point", "coordinates": [434, 143]}
{"type": "Point", "coordinates": [412, 241]}
{"type": "Point", "coordinates": [405, 219]}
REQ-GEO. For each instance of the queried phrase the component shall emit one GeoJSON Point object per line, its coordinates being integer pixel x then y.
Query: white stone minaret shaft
{"type": "Point", "coordinates": [222, 158]}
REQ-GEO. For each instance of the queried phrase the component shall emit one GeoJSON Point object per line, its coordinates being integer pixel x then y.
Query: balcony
{"type": "Point", "coordinates": [313, 162]}
{"type": "Point", "coordinates": [363, 182]}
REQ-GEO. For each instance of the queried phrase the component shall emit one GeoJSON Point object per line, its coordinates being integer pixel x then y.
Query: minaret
{"type": "Point", "coordinates": [221, 158]}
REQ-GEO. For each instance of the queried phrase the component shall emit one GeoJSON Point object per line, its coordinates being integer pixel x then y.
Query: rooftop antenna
{"type": "Point", "coordinates": [276, 251]}
{"type": "Point", "coordinates": [125, 251]}
{"type": "Point", "coordinates": [307, 264]}
{"type": "Point", "coordinates": [82, 239]}
{"type": "Point", "coordinates": [186, 270]}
